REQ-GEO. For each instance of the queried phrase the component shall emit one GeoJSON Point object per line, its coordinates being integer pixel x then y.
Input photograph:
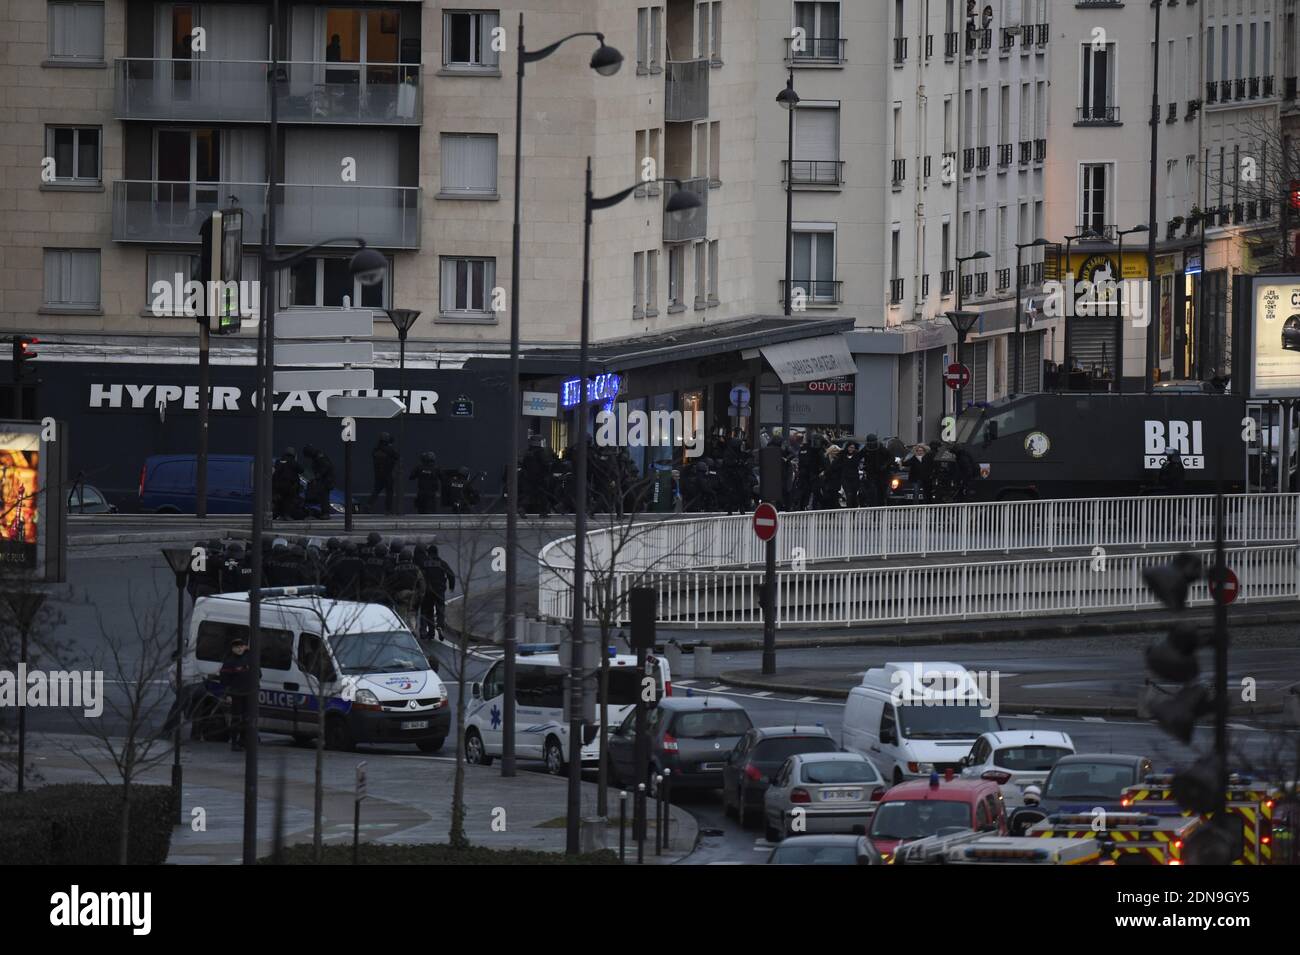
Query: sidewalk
{"type": "Point", "coordinates": [409, 800]}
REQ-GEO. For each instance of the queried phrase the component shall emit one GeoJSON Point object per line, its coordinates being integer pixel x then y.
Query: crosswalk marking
{"type": "Point", "coordinates": [761, 694]}
{"type": "Point", "coordinates": [807, 699]}
{"type": "Point", "coordinates": [1094, 719]}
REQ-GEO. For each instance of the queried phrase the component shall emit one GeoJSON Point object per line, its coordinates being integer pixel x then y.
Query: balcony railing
{"type": "Point", "coordinates": [167, 212]}
{"type": "Point", "coordinates": [1099, 232]}
{"type": "Point", "coordinates": [986, 39]}
{"type": "Point", "coordinates": [968, 159]}
{"type": "Point", "coordinates": [1037, 273]}
{"type": "Point", "coordinates": [925, 284]}
{"type": "Point", "coordinates": [1252, 86]}
{"type": "Point", "coordinates": [1004, 279]}
{"type": "Point", "coordinates": [1008, 39]}
{"type": "Point", "coordinates": [818, 291]}
{"type": "Point", "coordinates": [982, 157]}
{"type": "Point", "coordinates": [1241, 88]}
{"type": "Point", "coordinates": [688, 223]}
{"type": "Point", "coordinates": [1025, 276]}
{"type": "Point", "coordinates": [1040, 150]}
{"type": "Point", "coordinates": [895, 291]}
{"type": "Point", "coordinates": [1172, 113]}
{"type": "Point", "coordinates": [981, 283]}
{"type": "Point", "coordinates": [1266, 209]}
{"type": "Point", "coordinates": [945, 281]}
{"type": "Point", "coordinates": [1006, 153]}
{"type": "Point", "coordinates": [925, 167]}
{"type": "Point", "coordinates": [1212, 91]}
{"type": "Point", "coordinates": [1096, 115]}
{"type": "Point", "coordinates": [1192, 106]}
{"type": "Point", "coordinates": [816, 49]}
{"type": "Point", "coordinates": [950, 44]}
{"type": "Point", "coordinates": [949, 165]}
{"type": "Point", "coordinates": [1026, 152]}
{"type": "Point", "coordinates": [900, 49]}
{"type": "Point", "coordinates": [1289, 88]}
{"type": "Point", "coordinates": [967, 286]}
{"type": "Point", "coordinates": [813, 172]}
{"type": "Point", "coordinates": [686, 90]}
{"type": "Point", "coordinates": [1044, 31]}
{"type": "Point", "coordinates": [899, 171]}
{"type": "Point", "coordinates": [929, 45]}
{"type": "Point", "coordinates": [1268, 86]}
{"type": "Point", "coordinates": [238, 91]}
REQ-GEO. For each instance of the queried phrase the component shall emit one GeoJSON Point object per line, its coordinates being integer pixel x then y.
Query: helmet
{"type": "Point", "coordinates": [464, 471]}
{"type": "Point", "coordinates": [235, 550]}
{"type": "Point", "coordinates": [872, 442]}
{"type": "Point", "coordinates": [534, 440]}
{"type": "Point", "coordinates": [290, 453]}
{"type": "Point", "coordinates": [1032, 795]}
{"type": "Point", "coordinates": [278, 543]}
{"type": "Point", "coordinates": [351, 548]}
{"type": "Point", "coordinates": [373, 538]}
{"type": "Point", "coordinates": [420, 552]}
{"type": "Point", "coordinates": [333, 543]}
{"type": "Point", "coordinates": [395, 545]}
{"type": "Point", "coordinates": [385, 438]}
{"type": "Point", "coordinates": [308, 451]}
{"type": "Point", "coordinates": [406, 555]}
{"type": "Point", "coordinates": [297, 550]}
{"type": "Point", "coordinates": [428, 457]}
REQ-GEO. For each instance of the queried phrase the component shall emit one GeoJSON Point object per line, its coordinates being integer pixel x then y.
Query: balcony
{"type": "Point", "coordinates": [1006, 153]}
{"type": "Point", "coordinates": [945, 281]}
{"type": "Point", "coordinates": [1039, 270]}
{"type": "Point", "coordinates": [686, 90]}
{"type": "Point", "coordinates": [1098, 232]}
{"type": "Point", "coordinates": [818, 291]}
{"type": "Point", "coordinates": [1268, 86]}
{"type": "Point", "coordinates": [949, 166]}
{"type": "Point", "coordinates": [1193, 106]}
{"type": "Point", "coordinates": [968, 159]}
{"type": "Point", "coordinates": [900, 50]}
{"type": "Point", "coordinates": [981, 283]}
{"type": "Point", "coordinates": [1004, 279]}
{"type": "Point", "coordinates": [898, 173]}
{"type": "Point", "coordinates": [1008, 40]}
{"type": "Point", "coordinates": [1240, 89]}
{"type": "Point", "coordinates": [1025, 275]}
{"type": "Point", "coordinates": [950, 45]}
{"type": "Point", "coordinates": [1044, 31]}
{"type": "Point", "coordinates": [895, 291]}
{"type": "Point", "coordinates": [813, 172]}
{"type": "Point", "coordinates": [1040, 150]}
{"type": "Point", "coordinates": [982, 157]}
{"type": "Point", "coordinates": [1172, 113]}
{"type": "Point", "coordinates": [1096, 116]}
{"type": "Point", "coordinates": [237, 91]}
{"type": "Point", "coordinates": [171, 212]}
{"type": "Point", "coordinates": [1212, 91]}
{"type": "Point", "coordinates": [817, 51]}
{"type": "Point", "coordinates": [967, 286]}
{"type": "Point", "coordinates": [1026, 152]}
{"type": "Point", "coordinates": [1252, 87]}
{"type": "Point", "coordinates": [1266, 209]}
{"type": "Point", "coordinates": [986, 39]}
{"type": "Point", "coordinates": [689, 223]}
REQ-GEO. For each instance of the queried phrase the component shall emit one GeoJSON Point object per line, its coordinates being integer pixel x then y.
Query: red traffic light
{"type": "Point", "coordinates": [26, 344]}
{"type": "Point", "coordinates": [1294, 193]}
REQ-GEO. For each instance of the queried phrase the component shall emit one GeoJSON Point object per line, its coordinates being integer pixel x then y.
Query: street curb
{"type": "Point", "coordinates": [748, 683]}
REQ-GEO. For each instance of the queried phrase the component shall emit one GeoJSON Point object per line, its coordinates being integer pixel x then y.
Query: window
{"type": "Point", "coordinates": [1093, 195]}
{"type": "Point", "coordinates": [816, 144]}
{"type": "Point", "coordinates": [652, 283]}
{"type": "Point", "coordinates": [821, 25]}
{"type": "Point", "coordinates": [709, 37]}
{"type": "Point", "coordinates": [540, 687]}
{"type": "Point", "coordinates": [165, 267]}
{"type": "Point", "coordinates": [638, 285]}
{"type": "Point", "coordinates": [1096, 89]}
{"type": "Point", "coordinates": [76, 31]}
{"type": "Point", "coordinates": [469, 164]}
{"type": "Point", "coordinates": [715, 32]}
{"type": "Point", "coordinates": [715, 153]}
{"type": "Point", "coordinates": [494, 682]}
{"type": "Point", "coordinates": [649, 28]}
{"type": "Point", "coordinates": [676, 276]}
{"type": "Point", "coordinates": [75, 151]}
{"type": "Point", "coordinates": [814, 264]}
{"type": "Point", "coordinates": [314, 659]}
{"type": "Point", "coordinates": [467, 286]}
{"type": "Point", "coordinates": [325, 282]}
{"type": "Point", "coordinates": [713, 272]}
{"type": "Point", "coordinates": [72, 278]}
{"type": "Point", "coordinates": [467, 39]}
{"type": "Point", "coordinates": [701, 275]}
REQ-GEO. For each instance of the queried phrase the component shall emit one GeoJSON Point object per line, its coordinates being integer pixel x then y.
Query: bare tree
{"type": "Point", "coordinates": [27, 617]}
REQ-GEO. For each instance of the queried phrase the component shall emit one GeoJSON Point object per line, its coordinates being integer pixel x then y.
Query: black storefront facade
{"type": "Point", "coordinates": [119, 413]}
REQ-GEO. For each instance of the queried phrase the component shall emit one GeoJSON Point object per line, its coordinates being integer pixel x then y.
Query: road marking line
{"type": "Point", "coordinates": [1094, 719]}
{"type": "Point", "coordinates": [684, 682]}
{"type": "Point", "coordinates": [762, 693]}
{"type": "Point", "coordinates": [807, 699]}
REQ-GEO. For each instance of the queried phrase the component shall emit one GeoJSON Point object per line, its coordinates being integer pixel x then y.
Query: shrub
{"type": "Point", "coordinates": [77, 824]}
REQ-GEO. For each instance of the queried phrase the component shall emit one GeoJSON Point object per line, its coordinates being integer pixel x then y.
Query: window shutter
{"type": "Point", "coordinates": [469, 163]}
{"type": "Point", "coordinates": [817, 134]}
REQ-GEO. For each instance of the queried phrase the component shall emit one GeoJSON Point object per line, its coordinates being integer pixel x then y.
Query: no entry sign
{"type": "Point", "coordinates": [765, 522]}
{"type": "Point", "coordinates": [956, 376]}
{"type": "Point", "coordinates": [1231, 586]}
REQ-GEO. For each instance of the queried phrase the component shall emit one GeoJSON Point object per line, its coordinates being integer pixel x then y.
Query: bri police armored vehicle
{"type": "Point", "coordinates": [1066, 444]}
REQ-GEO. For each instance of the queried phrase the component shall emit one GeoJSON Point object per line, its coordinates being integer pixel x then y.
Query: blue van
{"type": "Point", "coordinates": [167, 484]}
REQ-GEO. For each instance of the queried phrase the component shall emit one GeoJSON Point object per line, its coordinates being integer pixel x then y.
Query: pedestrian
{"type": "Point", "coordinates": [832, 476]}
{"type": "Point", "coordinates": [385, 459]}
{"type": "Point", "coordinates": [439, 578]}
{"type": "Point", "coordinates": [286, 487]}
{"type": "Point", "coordinates": [1173, 473]}
{"type": "Point", "coordinates": [206, 581]}
{"type": "Point", "coordinates": [851, 473]}
{"type": "Point", "coordinates": [425, 476]}
{"type": "Point", "coordinates": [345, 574]}
{"type": "Point", "coordinates": [809, 462]}
{"type": "Point", "coordinates": [405, 585]}
{"type": "Point", "coordinates": [236, 575]}
{"type": "Point", "coordinates": [374, 564]}
{"type": "Point", "coordinates": [320, 482]}
{"type": "Point", "coordinates": [238, 681]}
{"type": "Point", "coordinates": [536, 470]}
{"type": "Point", "coordinates": [1023, 817]}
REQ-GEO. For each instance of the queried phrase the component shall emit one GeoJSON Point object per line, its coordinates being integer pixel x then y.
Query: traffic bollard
{"type": "Point", "coordinates": [668, 807]}
{"type": "Point", "coordinates": [659, 815]}
{"type": "Point", "coordinates": [640, 842]}
{"type": "Point", "coordinates": [622, 821]}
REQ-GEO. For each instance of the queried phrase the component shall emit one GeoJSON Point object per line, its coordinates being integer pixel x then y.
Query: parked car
{"type": "Point", "coordinates": [825, 850]}
{"type": "Point", "coordinates": [822, 792]}
{"type": "Point", "coordinates": [690, 735]}
{"type": "Point", "coordinates": [1015, 759]}
{"type": "Point", "coordinates": [921, 808]}
{"type": "Point", "coordinates": [168, 485]}
{"type": "Point", "coordinates": [88, 499]}
{"type": "Point", "coordinates": [1083, 782]}
{"type": "Point", "coordinates": [758, 755]}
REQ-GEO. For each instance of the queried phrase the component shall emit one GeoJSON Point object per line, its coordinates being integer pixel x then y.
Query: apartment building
{"type": "Point", "coordinates": [1004, 137]}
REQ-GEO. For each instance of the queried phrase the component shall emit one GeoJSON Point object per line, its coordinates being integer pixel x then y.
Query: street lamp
{"type": "Point", "coordinates": [1063, 381]}
{"type": "Point", "coordinates": [788, 100]}
{"type": "Point", "coordinates": [962, 322]}
{"type": "Point", "coordinates": [402, 319]}
{"type": "Point", "coordinates": [962, 260]}
{"type": "Point", "coordinates": [606, 62]}
{"type": "Point", "coordinates": [24, 605]}
{"type": "Point", "coordinates": [1119, 325]}
{"type": "Point", "coordinates": [178, 559]}
{"type": "Point", "coordinates": [680, 200]}
{"type": "Point", "coordinates": [1020, 246]}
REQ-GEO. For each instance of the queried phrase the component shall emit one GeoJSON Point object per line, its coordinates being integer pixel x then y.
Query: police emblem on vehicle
{"type": "Point", "coordinates": [1037, 444]}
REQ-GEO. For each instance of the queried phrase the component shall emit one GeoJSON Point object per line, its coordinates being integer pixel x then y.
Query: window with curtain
{"type": "Point", "coordinates": [1093, 199]}
{"type": "Point", "coordinates": [71, 278]}
{"type": "Point", "coordinates": [467, 38]}
{"type": "Point", "coordinates": [1096, 94]}
{"type": "Point", "coordinates": [814, 264]}
{"type": "Point", "coordinates": [816, 144]}
{"type": "Point", "coordinates": [701, 274]}
{"type": "Point", "coordinates": [162, 269]}
{"type": "Point", "coordinates": [469, 164]}
{"type": "Point", "coordinates": [75, 150]}
{"type": "Point", "coordinates": [76, 31]}
{"type": "Point", "coordinates": [324, 281]}
{"type": "Point", "coordinates": [467, 286]}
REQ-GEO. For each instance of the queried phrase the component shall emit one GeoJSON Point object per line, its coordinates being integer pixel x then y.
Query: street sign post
{"type": "Point", "coordinates": [353, 406]}
{"type": "Point", "coordinates": [956, 376]}
{"type": "Point", "coordinates": [324, 323]}
{"type": "Point", "coordinates": [356, 810]}
{"type": "Point", "coordinates": [292, 354]}
{"type": "Point", "coordinates": [327, 379]}
{"type": "Point", "coordinates": [765, 522]}
{"type": "Point", "coordinates": [1231, 586]}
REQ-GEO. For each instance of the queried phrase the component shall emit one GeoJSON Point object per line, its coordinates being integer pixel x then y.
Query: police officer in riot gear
{"type": "Point", "coordinates": [439, 578]}
{"type": "Point", "coordinates": [427, 483]}
{"type": "Point", "coordinates": [286, 489]}
{"type": "Point", "coordinates": [321, 481]}
{"type": "Point", "coordinates": [536, 492]}
{"type": "Point", "coordinates": [236, 574]}
{"type": "Point", "coordinates": [345, 574]}
{"type": "Point", "coordinates": [385, 459]}
{"type": "Point", "coordinates": [405, 586]}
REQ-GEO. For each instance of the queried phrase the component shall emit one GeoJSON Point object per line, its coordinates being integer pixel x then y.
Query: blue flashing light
{"type": "Point", "coordinates": [934, 780]}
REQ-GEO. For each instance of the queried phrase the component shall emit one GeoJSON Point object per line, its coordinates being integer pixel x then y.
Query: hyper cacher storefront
{"type": "Point", "coordinates": [724, 376]}
{"type": "Point", "coordinates": [120, 413]}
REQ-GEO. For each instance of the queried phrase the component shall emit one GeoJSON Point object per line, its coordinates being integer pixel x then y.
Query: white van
{"type": "Point", "coordinates": [541, 725]}
{"type": "Point", "coordinates": [910, 735]}
{"type": "Point", "coordinates": [375, 679]}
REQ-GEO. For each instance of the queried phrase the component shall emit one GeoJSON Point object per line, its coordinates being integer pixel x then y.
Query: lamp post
{"type": "Point", "coordinates": [961, 333]}
{"type": "Point", "coordinates": [962, 321]}
{"type": "Point", "coordinates": [178, 559]}
{"type": "Point", "coordinates": [402, 319]}
{"type": "Point", "coordinates": [788, 100]}
{"type": "Point", "coordinates": [1063, 382]}
{"type": "Point", "coordinates": [1119, 325]}
{"type": "Point", "coordinates": [1020, 246]}
{"type": "Point", "coordinates": [24, 606]}
{"type": "Point", "coordinates": [605, 61]}
{"type": "Point", "coordinates": [1153, 290]}
{"type": "Point", "coordinates": [680, 200]}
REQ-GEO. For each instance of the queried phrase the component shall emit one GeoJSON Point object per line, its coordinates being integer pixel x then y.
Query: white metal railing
{"type": "Point", "coordinates": [949, 591]}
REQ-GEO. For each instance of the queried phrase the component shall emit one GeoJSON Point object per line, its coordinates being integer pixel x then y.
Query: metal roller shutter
{"type": "Point", "coordinates": [1092, 341]}
{"type": "Point", "coordinates": [1031, 368]}
{"type": "Point", "coordinates": [979, 374]}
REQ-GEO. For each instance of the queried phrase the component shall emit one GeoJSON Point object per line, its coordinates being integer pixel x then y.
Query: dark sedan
{"type": "Point", "coordinates": [1085, 781]}
{"type": "Point", "coordinates": [757, 757]}
{"type": "Point", "coordinates": [689, 735]}
{"type": "Point", "coordinates": [825, 850]}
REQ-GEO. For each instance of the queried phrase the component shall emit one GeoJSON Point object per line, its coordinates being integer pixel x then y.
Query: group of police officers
{"type": "Point", "coordinates": [407, 575]}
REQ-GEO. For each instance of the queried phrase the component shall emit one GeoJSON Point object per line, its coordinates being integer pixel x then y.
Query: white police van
{"type": "Point", "coordinates": [375, 679]}
{"type": "Point", "coordinates": [541, 724]}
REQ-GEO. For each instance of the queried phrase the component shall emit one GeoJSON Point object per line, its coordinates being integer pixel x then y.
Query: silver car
{"type": "Point", "coordinates": [822, 793]}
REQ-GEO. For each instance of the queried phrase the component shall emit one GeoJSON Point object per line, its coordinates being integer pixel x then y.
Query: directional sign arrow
{"type": "Point", "coordinates": [325, 323]}
{"type": "Point", "coordinates": [348, 406]}
{"type": "Point", "coordinates": [324, 353]}
{"type": "Point", "coordinates": [328, 379]}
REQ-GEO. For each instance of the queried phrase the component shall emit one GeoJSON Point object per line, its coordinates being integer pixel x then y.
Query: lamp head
{"type": "Point", "coordinates": [606, 60]}
{"type": "Point", "coordinates": [681, 200]}
{"type": "Point", "coordinates": [368, 266]}
{"type": "Point", "coordinates": [788, 98]}
{"type": "Point", "coordinates": [962, 320]}
{"type": "Point", "coordinates": [402, 318]}
{"type": "Point", "coordinates": [178, 559]}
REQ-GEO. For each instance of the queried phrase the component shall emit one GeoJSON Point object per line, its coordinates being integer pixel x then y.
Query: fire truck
{"type": "Point", "coordinates": [1255, 802]}
{"type": "Point", "coordinates": [1129, 838]}
{"type": "Point", "coordinates": [982, 848]}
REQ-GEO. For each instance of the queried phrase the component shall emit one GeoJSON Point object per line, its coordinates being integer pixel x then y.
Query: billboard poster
{"type": "Point", "coordinates": [1275, 334]}
{"type": "Point", "coordinates": [20, 496]}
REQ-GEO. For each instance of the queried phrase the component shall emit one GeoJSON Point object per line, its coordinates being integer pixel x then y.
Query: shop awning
{"type": "Point", "coordinates": [810, 359]}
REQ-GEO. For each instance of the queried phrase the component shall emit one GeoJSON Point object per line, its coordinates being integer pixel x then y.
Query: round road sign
{"type": "Point", "coordinates": [765, 522]}
{"type": "Point", "coordinates": [956, 376]}
{"type": "Point", "coordinates": [1231, 586]}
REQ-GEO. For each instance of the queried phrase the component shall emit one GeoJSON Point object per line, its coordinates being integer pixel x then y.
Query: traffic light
{"type": "Point", "coordinates": [24, 352]}
{"type": "Point", "coordinates": [1174, 660]}
{"type": "Point", "coordinates": [220, 260]}
{"type": "Point", "coordinates": [1293, 192]}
